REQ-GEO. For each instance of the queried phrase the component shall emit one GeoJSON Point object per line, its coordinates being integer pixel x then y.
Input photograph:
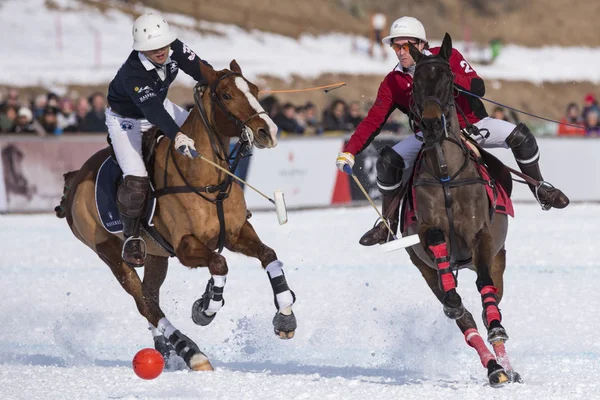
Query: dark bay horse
{"type": "Point", "coordinates": [199, 210]}
{"type": "Point", "coordinates": [454, 223]}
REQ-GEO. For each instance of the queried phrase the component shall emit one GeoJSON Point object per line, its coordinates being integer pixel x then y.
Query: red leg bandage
{"type": "Point", "coordinates": [490, 304]}
{"type": "Point", "coordinates": [440, 252]}
{"type": "Point", "coordinates": [474, 340]}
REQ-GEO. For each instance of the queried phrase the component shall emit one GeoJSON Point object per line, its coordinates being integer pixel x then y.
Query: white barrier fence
{"type": "Point", "coordinates": [31, 170]}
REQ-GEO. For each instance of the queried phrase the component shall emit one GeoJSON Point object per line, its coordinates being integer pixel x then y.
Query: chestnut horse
{"type": "Point", "coordinates": [454, 223]}
{"type": "Point", "coordinates": [199, 210]}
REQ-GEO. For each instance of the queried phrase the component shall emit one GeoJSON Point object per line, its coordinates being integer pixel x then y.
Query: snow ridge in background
{"type": "Point", "coordinates": [28, 30]}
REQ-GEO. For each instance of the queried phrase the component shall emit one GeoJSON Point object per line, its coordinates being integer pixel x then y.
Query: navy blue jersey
{"type": "Point", "coordinates": [138, 92]}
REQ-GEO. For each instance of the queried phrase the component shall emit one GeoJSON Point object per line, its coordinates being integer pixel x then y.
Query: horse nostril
{"type": "Point", "coordinates": [263, 134]}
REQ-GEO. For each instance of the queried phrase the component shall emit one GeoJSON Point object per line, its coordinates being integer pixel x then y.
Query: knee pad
{"type": "Point", "coordinates": [523, 145]}
{"type": "Point", "coordinates": [390, 166]}
{"type": "Point", "coordinates": [132, 196]}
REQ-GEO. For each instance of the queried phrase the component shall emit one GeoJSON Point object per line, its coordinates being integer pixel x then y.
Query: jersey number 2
{"type": "Point", "coordinates": [466, 66]}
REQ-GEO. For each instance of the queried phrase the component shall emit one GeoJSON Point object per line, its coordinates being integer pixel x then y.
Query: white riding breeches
{"type": "Point", "coordinates": [498, 129]}
{"type": "Point", "coordinates": [126, 137]}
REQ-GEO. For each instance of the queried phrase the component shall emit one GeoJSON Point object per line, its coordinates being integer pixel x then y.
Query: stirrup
{"type": "Point", "coordinates": [549, 186]}
{"type": "Point", "coordinates": [142, 246]}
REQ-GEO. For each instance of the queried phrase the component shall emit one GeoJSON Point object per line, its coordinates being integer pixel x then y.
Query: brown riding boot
{"type": "Point", "coordinates": [132, 197]}
{"type": "Point", "coordinates": [380, 233]}
{"type": "Point", "coordinates": [547, 195]}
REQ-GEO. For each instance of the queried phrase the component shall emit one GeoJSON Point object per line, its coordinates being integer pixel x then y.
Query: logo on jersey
{"type": "Point", "coordinates": [126, 126]}
{"type": "Point", "coordinates": [144, 89]}
{"type": "Point", "coordinates": [147, 96]}
{"type": "Point", "coordinates": [173, 66]}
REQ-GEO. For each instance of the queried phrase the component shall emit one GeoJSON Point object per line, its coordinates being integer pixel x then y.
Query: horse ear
{"type": "Point", "coordinates": [446, 49]}
{"type": "Point", "coordinates": [208, 72]}
{"type": "Point", "coordinates": [414, 52]}
{"type": "Point", "coordinates": [235, 67]}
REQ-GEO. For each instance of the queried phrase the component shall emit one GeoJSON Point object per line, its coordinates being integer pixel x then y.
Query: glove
{"type": "Point", "coordinates": [185, 145]}
{"type": "Point", "coordinates": [345, 162]}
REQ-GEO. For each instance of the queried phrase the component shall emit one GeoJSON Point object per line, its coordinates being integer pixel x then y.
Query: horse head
{"type": "Point", "coordinates": [234, 106]}
{"type": "Point", "coordinates": [433, 91]}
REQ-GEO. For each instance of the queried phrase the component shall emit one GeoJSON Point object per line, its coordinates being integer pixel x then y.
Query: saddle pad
{"type": "Point", "coordinates": [107, 181]}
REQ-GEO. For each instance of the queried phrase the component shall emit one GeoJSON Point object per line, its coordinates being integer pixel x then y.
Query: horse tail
{"type": "Point", "coordinates": [60, 209]}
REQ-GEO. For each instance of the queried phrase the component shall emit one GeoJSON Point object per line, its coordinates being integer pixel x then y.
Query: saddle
{"type": "Point", "coordinates": [108, 180]}
{"type": "Point", "coordinates": [490, 169]}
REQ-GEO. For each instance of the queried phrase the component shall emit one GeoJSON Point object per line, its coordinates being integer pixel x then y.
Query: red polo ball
{"type": "Point", "coordinates": [148, 363]}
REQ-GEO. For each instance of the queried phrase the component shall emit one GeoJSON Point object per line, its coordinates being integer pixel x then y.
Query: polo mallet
{"type": "Point", "coordinates": [278, 202]}
{"type": "Point", "coordinates": [395, 244]}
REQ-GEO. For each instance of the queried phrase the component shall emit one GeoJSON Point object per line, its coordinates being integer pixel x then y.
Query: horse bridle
{"type": "Point", "coordinates": [245, 132]}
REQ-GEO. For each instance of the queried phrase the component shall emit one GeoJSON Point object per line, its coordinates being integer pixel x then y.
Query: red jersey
{"type": "Point", "coordinates": [395, 92]}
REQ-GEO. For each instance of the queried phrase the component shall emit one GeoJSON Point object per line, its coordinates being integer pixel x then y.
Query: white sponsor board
{"type": "Point", "coordinates": [571, 164]}
{"type": "Point", "coordinates": [304, 169]}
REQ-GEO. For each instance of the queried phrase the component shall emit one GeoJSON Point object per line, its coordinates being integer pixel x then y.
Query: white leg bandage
{"type": "Point", "coordinates": [283, 294]}
{"type": "Point", "coordinates": [155, 331]}
{"type": "Point", "coordinates": [165, 327]}
{"type": "Point", "coordinates": [216, 302]}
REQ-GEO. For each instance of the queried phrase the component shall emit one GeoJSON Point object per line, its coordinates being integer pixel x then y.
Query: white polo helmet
{"type": "Point", "coordinates": [151, 32]}
{"type": "Point", "coordinates": [406, 27]}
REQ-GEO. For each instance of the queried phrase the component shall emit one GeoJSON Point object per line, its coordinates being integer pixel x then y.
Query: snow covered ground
{"type": "Point", "coordinates": [81, 46]}
{"type": "Point", "coordinates": [368, 326]}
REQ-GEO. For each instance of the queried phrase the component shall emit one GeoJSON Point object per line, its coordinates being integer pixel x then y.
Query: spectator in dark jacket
{"type": "Point", "coordinates": [335, 119]}
{"type": "Point", "coordinates": [589, 104]}
{"type": "Point", "coordinates": [95, 120]}
{"type": "Point", "coordinates": [81, 110]}
{"type": "Point", "coordinates": [49, 121]}
{"type": "Point", "coordinates": [24, 121]}
{"type": "Point", "coordinates": [286, 120]}
{"type": "Point", "coordinates": [592, 124]}
{"type": "Point", "coordinates": [355, 115]}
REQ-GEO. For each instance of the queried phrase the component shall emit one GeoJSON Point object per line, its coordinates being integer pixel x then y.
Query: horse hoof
{"type": "Point", "coordinates": [455, 312]}
{"type": "Point", "coordinates": [199, 316]}
{"type": "Point", "coordinates": [199, 362]}
{"type": "Point", "coordinates": [496, 374]}
{"type": "Point", "coordinates": [285, 325]}
{"type": "Point", "coordinates": [514, 376]}
{"type": "Point", "coordinates": [285, 335]}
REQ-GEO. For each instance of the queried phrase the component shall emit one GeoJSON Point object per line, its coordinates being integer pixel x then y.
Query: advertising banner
{"type": "Point", "coordinates": [33, 170]}
{"type": "Point", "coordinates": [304, 169]}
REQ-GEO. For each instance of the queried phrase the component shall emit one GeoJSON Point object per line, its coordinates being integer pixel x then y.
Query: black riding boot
{"type": "Point", "coordinates": [380, 233]}
{"type": "Point", "coordinates": [131, 201]}
{"type": "Point", "coordinates": [526, 152]}
{"type": "Point", "coordinates": [547, 195]}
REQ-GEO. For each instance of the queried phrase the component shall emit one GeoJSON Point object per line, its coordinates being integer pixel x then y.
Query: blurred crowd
{"type": "Point", "coordinates": [48, 114]}
{"type": "Point", "coordinates": [586, 118]}
{"type": "Point", "coordinates": [337, 118]}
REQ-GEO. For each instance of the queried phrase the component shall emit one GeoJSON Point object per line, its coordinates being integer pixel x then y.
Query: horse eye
{"type": "Point", "coordinates": [226, 96]}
